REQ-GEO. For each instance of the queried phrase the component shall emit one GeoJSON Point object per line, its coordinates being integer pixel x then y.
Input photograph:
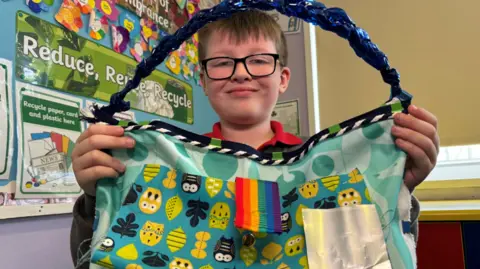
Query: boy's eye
{"type": "Point", "coordinates": [221, 62]}
{"type": "Point", "coordinates": [257, 61]}
{"type": "Point", "coordinates": [260, 59]}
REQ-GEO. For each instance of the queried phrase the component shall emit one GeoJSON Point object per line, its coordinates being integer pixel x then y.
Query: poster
{"type": "Point", "coordinates": [49, 125]}
{"type": "Point", "coordinates": [289, 25]}
{"type": "Point", "coordinates": [6, 119]}
{"type": "Point", "coordinates": [54, 57]}
{"type": "Point", "coordinates": [287, 113]}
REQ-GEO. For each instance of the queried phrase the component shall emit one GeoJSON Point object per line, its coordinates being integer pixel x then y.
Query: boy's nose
{"type": "Point", "coordinates": [241, 73]}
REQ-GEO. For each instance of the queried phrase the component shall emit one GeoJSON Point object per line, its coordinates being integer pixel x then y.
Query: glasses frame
{"type": "Point", "coordinates": [275, 56]}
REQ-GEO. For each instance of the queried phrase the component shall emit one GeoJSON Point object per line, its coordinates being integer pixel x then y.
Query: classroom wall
{"type": "Point", "coordinates": [40, 242]}
{"type": "Point", "coordinates": [43, 242]}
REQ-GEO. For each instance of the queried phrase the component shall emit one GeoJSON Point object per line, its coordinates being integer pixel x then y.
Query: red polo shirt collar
{"type": "Point", "coordinates": [280, 135]}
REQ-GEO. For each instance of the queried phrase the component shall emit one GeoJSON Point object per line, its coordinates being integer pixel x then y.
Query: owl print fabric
{"type": "Point", "coordinates": [189, 201]}
{"type": "Point", "coordinates": [182, 221]}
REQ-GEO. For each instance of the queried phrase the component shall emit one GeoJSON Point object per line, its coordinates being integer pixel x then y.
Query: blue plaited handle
{"type": "Point", "coordinates": [330, 19]}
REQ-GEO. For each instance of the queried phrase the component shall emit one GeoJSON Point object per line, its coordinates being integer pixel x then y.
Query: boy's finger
{"type": "Point", "coordinates": [92, 175]}
{"type": "Point", "coordinates": [423, 127]}
{"type": "Point", "coordinates": [97, 158]}
{"type": "Point", "coordinates": [424, 115]}
{"type": "Point", "coordinates": [427, 116]}
{"type": "Point", "coordinates": [418, 156]}
{"type": "Point", "coordinates": [100, 129]}
{"type": "Point", "coordinates": [102, 142]}
{"type": "Point", "coordinates": [424, 143]}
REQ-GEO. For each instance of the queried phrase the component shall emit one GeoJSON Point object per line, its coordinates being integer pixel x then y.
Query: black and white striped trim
{"type": "Point", "coordinates": [244, 151]}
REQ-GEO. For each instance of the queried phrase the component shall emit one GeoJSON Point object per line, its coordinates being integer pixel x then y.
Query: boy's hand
{"type": "Point", "coordinates": [90, 163]}
{"type": "Point", "coordinates": [417, 135]}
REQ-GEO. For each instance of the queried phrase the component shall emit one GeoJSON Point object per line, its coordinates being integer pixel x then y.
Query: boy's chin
{"type": "Point", "coordinates": [245, 117]}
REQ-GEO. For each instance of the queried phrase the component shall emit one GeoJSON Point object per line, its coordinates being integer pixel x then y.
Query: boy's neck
{"type": "Point", "coordinates": [253, 135]}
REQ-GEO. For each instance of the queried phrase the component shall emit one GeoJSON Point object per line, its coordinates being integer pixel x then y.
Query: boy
{"type": "Point", "coordinates": [244, 63]}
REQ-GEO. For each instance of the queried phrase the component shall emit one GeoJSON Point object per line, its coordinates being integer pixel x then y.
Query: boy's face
{"type": "Point", "coordinates": [243, 99]}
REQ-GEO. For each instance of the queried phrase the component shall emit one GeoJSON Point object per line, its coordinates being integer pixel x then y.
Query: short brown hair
{"type": "Point", "coordinates": [242, 25]}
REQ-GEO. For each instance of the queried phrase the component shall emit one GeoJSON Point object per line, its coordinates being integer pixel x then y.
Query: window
{"type": "Point", "coordinates": [457, 162]}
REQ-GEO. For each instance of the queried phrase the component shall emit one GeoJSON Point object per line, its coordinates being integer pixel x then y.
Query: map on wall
{"type": "Point", "coordinates": [287, 113]}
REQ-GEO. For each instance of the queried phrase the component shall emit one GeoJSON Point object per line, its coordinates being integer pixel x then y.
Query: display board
{"type": "Point", "coordinates": [60, 56]}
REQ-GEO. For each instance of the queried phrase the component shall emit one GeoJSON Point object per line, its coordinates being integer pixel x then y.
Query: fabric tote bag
{"type": "Point", "coordinates": [187, 201]}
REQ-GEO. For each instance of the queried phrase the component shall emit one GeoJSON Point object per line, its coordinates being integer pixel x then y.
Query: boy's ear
{"type": "Point", "coordinates": [284, 79]}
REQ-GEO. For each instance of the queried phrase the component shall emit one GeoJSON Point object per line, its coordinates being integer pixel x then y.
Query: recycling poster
{"type": "Point", "coordinates": [49, 125]}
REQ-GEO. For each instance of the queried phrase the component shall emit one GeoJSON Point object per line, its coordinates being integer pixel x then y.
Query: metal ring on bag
{"type": "Point", "coordinates": [248, 239]}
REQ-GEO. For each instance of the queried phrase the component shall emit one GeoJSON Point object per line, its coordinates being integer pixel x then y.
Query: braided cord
{"type": "Point", "coordinates": [330, 19]}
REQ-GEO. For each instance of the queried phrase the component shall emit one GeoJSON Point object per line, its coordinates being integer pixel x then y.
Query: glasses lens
{"type": "Point", "coordinates": [257, 65]}
{"type": "Point", "coordinates": [260, 65]}
{"type": "Point", "coordinates": [220, 68]}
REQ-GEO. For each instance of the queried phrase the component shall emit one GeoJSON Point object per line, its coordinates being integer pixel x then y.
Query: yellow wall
{"type": "Point", "coordinates": [435, 45]}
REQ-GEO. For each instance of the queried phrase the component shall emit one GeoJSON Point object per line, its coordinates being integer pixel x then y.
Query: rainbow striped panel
{"type": "Point", "coordinates": [258, 206]}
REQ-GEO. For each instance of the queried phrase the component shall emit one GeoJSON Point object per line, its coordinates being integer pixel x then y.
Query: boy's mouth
{"type": "Point", "coordinates": [241, 92]}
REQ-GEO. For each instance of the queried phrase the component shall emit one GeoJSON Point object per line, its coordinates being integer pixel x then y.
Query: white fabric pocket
{"type": "Point", "coordinates": [345, 238]}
